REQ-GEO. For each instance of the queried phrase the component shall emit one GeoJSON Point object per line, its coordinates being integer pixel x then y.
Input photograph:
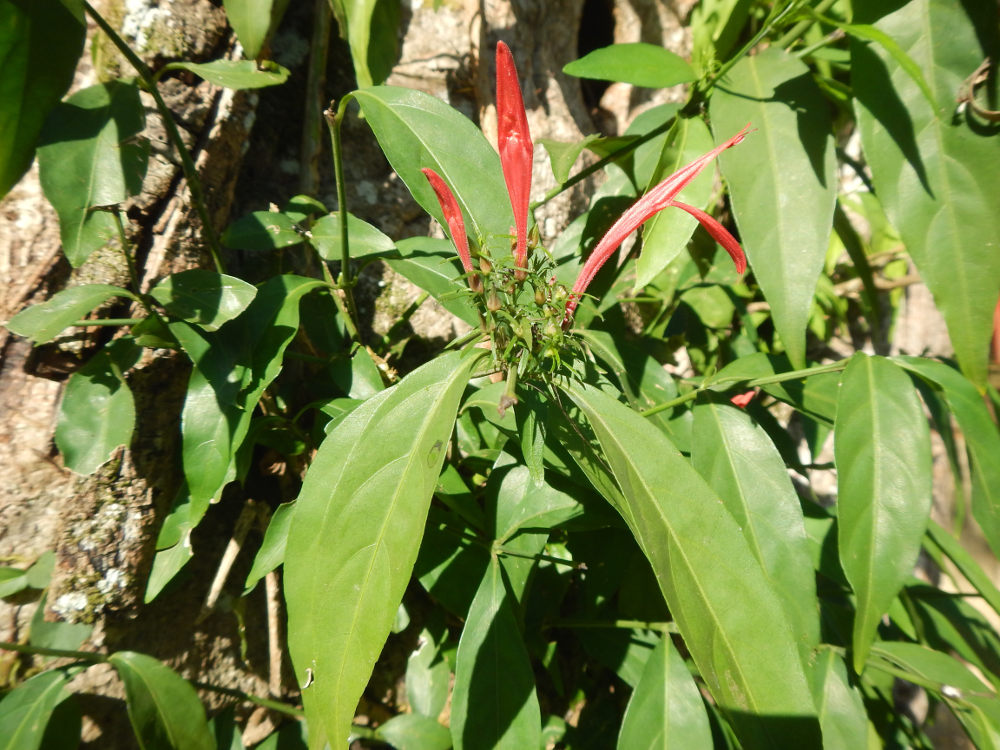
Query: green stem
{"type": "Point", "coordinates": [766, 380]}
{"type": "Point", "coordinates": [88, 656]}
{"type": "Point", "coordinates": [334, 118]}
{"type": "Point", "coordinates": [108, 322]}
{"type": "Point", "coordinates": [251, 698]}
{"type": "Point", "coordinates": [312, 127]}
{"type": "Point", "coordinates": [503, 551]}
{"type": "Point", "coordinates": [799, 29]}
{"type": "Point", "coordinates": [187, 163]}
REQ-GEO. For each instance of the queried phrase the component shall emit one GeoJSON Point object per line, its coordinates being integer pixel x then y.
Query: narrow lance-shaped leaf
{"type": "Point", "coordinates": [253, 21]}
{"type": "Point", "coordinates": [25, 711]}
{"type": "Point", "coordinates": [666, 708]}
{"type": "Point", "coordinates": [741, 464]}
{"type": "Point", "coordinates": [43, 322]}
{"type": "Point", "coordinates": [783, 198]}
{"type": "Point", "coordinates": [494, 702]}
{"type": "Point", "coordinates": [935, 170]}
{"type": "Point", "coordinates": [163, 707]}
{"type": "Point", "coordinates": [731, 620]}
{"type": "Point", "coordinates": [637, 63]}
{"type": "Point", "coordinates": [369, 489]}
{"type": "Point", "coordinates": [883, 456]}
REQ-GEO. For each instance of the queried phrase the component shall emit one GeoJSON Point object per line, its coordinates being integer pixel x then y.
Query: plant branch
{"type": "Point", "coordinates": [187, 163]}
{"type": "Point", "coordinates": [334, 118]}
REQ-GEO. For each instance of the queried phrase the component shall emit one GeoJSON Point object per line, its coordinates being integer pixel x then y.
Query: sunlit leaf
{"type": "Point", "coordinates": [203, 297]}
{"type": "Point", "coordinates": [25, 711]}
{"type": "Point", "coordinates": [236, 74]}
{"type": "Point", "coordinates": [637, 63]}
{"type": "Point", "coordinates": [254, 21]}
{"type": "Point", "coordinates": [43, 322]}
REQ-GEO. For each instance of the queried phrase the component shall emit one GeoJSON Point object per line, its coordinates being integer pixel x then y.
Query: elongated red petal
{"type": "Point", "coordinates": [655, 200]}
{"type": "Point", "coordinates": [719, 233]}
{"type": "Point", "coordinates": [452, 215]}
{"type": "Point", "coordinates": [515, 146]}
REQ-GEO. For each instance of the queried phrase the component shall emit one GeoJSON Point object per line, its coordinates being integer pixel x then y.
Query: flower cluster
{"type": "Point", "coordinates": [527, 315]}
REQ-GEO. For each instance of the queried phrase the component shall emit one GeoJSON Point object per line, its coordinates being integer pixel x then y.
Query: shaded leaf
{"type": "Point", "coordinates": [637, 63]}
{"type": "Point", "coordinates": [89, 156]}
{"type": "Point", "coordinates": [966, 564]}
{"type": "Point", "coordinates": [934, 172]}
{"type": "Point", "coordinates": [369, 487]}
{"type": "Point", "coordinates": [203, 297]}
{"type": "Point", "coordinates": [929, 666]}
{"type": "Point", "coordinates": [44, 321]}
{"type": "Point", "coordinates": [370, 28]}
{"type": "Point", "coordinates": [841, 707]}
{"type": "Point", "coordinates": [414, 732]}
{"type": "Point", "coordinates": [494, 702]}
{"type": "Point", "coordinates": [428, 677]}
{"type": "Point", "coordinates": [163, 707]}
{"type": "Point", "coordinates": [65, 635]}
{"type": "Point", "coordinates": [97, 413]}
{"type": "Point", "coordinates": [272, 549]}
{"type": "Point", "coordinates": [25, 711]}
{"type": "Point", "coordinates": [883, 456]}
{"type": "Point", "coordinates": [236, 74]}
{"type": "Point", "coordinates": [262, 230]}
{"type": "Point", "coordinates": [666, 709]}
{"type": "Point", "coordinates": [433, 266]}
{"type": "Point", "coordinates": [40, 45]}
{"type": "Point", "coordinates": [563, 155]}
{"type": "Point", "coordinates": [783, 194]}
{"type": "Point", "coordinates": [253, 21]}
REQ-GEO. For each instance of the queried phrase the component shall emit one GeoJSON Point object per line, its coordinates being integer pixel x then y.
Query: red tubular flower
{"type": "Point", "coordinates": [456, 225]}
{"type": "Point", "coordinates": [516, 149]}
{"type": "Point", "coordinates": [656, 200]}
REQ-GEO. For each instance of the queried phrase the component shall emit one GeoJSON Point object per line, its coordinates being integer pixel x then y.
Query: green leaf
{"type": "Point", "coordinates": [417, 130]}
{"type": "Point", "coordinates": [232, 368]}
{"type": "Point", "coordinates": [427, 677]}
{"type": "Point", "coordinates": [89, 156]}
{"type": "Point", "coordinates": [25, 710]}
{"type": "Point", "coordinates": [203, 297]}
{"type": "Point", "coordinates": [494, 703]}
{"type": "Point", "coordinates": [65, 635]}
{"type": "Point", "coordinates": [254, 21]}
{"type": "Point", "coordinates": [262, 230]}
{"type": "Point", "coordinates": [666, 709]}
{"type": "Point", "coordinates": [929, 666]}
{"type": "Point", "coordinates": [414, 732]}
{"type": "Point", "coordinates": [666, 235]}
{"type": "Point", "coordinates": [40, 45]}
{"type": "Point", "coordinates": [272, 549]}
{"type": "Point", "coordinates": [739, 462]}
{"type": "Point", "coordinates": [236, 74]}
{"type": "Point", "coordinates": [935, 171]}
{"type": "Point", "coordinates": [637, 63]}
{"type": "Point", "coordinates": [97, 413]}
{"type": "Point", "coordinates": [525, 504]}
{"type": "Point", "coordinates": [167, 563]}
{"type": "Point", "coordinates": [369, 488]}
{"type": "Point", "coordinates": [841, 707]}
{"type": "Point", "coordinates": [782, 181]}
{"type": "Point", "coordinates": [43, 322]}
{"type": "Point", "coordinates": [965, 563]}
{"type": "Point", "coordinates": [563, 155]}
{"type": "Point", "coordinates": [739, 636]}
{"type": "Point", "coordinates": [363, 239]}
{"type": "Point", "coordinates": [370, 28]}
{"type": "Point", "coordinates": [163, 707]}
{"type": "Point", "coordinates": [433, 266]}
{"type": "Point", "coordinates": [981, 439]}
{"type": "Point", "coordinates": [883, 456]}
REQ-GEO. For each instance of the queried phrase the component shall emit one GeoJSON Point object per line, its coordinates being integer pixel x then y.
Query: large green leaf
{"type": "Point", "coordinates": [981, 438]}
{"type": "Point", "coordinates": [253, 21]}
{"type": "Point", "coordinates": [432, 265]}
{"type": "Point", "coordinates": [638, 63]}
{"type": "Point", "coordinates": [666, 710]}
{"type": "Point", "coordinates": [782, 181]}
{"type": "Point", "coordinates": [97, 413]}
{"type": "Point", "coordinates": [44, 321]}
{"type": "Point", "coordinates": [25, 710]}
{"type": "Point", "coordinates": [363, 239]}
{"type": "Point", "coordinates": [371, 29]}
{"type": "Point", "coordinates": [417, 130]}
{"type": "Point", "coordinates": [88, 156]}
{"type": "Point", "coordinates": [40, 45]}
{"type": "Point", "coordinates": [934, 171]}
{"type": "Point", "coordinates": [841, 709]}
{"type": "Point", "coordinates": [355, 534]}
{"type": "Point", "coordinates": [667, 233]}
{"type": "Point", "coordinates": [494, 704]}
{"type": "Point", "coordinates": [732, 621]}
{"type": "Point", "coordinates": [203, 297]}
{"type": "Point", "coordinates": [883, 456]}
{"type": "Point", "coordinates": [739, 462]}
{"type": "Point", "coordinates": [414, 732]}
{"type": "Point", "coordinates": [163, 707]}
